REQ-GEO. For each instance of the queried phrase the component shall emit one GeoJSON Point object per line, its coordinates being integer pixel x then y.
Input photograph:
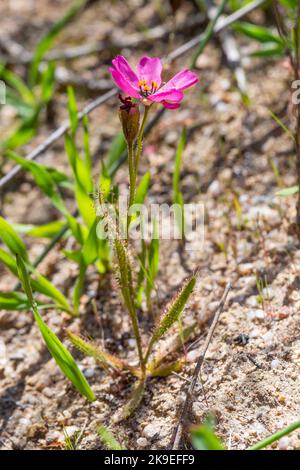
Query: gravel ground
{"type": "Point", "coordinates": [253, 389]}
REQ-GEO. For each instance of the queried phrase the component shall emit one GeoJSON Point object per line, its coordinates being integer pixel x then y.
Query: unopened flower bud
{"type": "Point", "coordinates": [129, 115]}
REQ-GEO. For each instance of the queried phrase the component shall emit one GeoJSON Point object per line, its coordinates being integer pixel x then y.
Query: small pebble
{"type": "Point", "coordinates": [48, 392]}
{"type": "Point", "coordinates": [268, 338]}
{"type": "Point", "coordinates": [215, 188]}
{"type": "Point", "coordinates": [53, 436]}
{"type": "Point", "coordinates": [192, 356]}
{"type": "Point", "coordinates": [142, 442]}
{"type": "Point", "coordinates": [153, 430]}
{"type": "Point", "coordinates": [275, 364]}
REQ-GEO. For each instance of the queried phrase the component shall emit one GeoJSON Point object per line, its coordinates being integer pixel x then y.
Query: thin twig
{"type": "Point", "coordinates": [190, 391]}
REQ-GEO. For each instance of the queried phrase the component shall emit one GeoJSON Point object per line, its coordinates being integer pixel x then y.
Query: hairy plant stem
{"type": "Point", "coordinates": [139, 144]}
{"type": "Point", "coordinates": [133, 161]}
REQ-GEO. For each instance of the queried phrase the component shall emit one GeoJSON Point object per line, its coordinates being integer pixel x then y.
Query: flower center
{"type": "Point", "coordinates": [146, 89]}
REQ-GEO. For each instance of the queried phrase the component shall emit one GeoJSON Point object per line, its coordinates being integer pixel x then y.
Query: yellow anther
{"type": "Point", "coordinates": [142, 83]}
{"type": "Point", "coordinates": [146, 88]}
{"type": "Point", "coordinates": [154, 84]}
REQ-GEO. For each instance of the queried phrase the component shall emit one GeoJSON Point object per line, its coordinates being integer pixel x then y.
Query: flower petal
{"type": "Point", "coordinates": [150, 68]}
{"type": "Point", "coordinates": [123, 84]}
{"type": "Point", "coordinates": [172, 95]}
{"type": "Point", "coordinates": [122, 66]}
{"type": "Point", "coordinates": [170, 105]}
{"type": "Point", "coordinates": [182, 80]}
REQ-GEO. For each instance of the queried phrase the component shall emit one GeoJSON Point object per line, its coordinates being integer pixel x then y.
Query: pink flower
{"type": "Point", "coordinates": [145, 84]}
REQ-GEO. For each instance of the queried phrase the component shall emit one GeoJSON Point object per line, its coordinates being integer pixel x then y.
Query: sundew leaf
{"type": "Point", "coordinates": [108, 439]}
{"type": "Point", "coordinates": [60, 354]}
{"type": "Point", "coordinates": [48, 39]}
{"type": "Point", "coordinates": [83, 182]}
{"type": "Point", "coordinates": [11, 239]}
{"type": "Point", "coordinates": [172, 313]}
{"type": "Point", "coordinates": [288, 191]}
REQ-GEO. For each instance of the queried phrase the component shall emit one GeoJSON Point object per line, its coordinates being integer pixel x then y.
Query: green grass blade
{"type": "Point", "coordinates": [11, 239]}
{"type": "Point", "coordinates": [79, 285]}
{"type": "Point", "coordinates": [9, 261]}
{"type": "Point", "coordinates": [177, 195]}
{"type": "Point", "coordinates": [178, 159]}
{"type": "Point", "coordinates": [288, 191]}
{"type": "Point", "coordinates": [118, 146]}
{"type": "Point", "coordinates": [86, 143]}
{"type": "Point", "coordinates": [17, 84]}
{"type": "Point", "coordinates": [153, 263]}
{"type": "Point", "coordinates": [142, 189]}
{"type": "Point", "coordinates": [208, 33]}
{"type": "Point", "coordinates": [275, 437]}
{"type": "Point", "coordinates": [73, 111]}
{"type": "Point", "coordinates": [14, 301]}
{"type": "Point", "coordinates": [42, 285]}
{"type": "Point", "coordinates": [60, 354]}
{"type": "Point", "coordinates": [48, 230]}
{"type": "Point", "coordinates": [48, 83]}
{"type": "Point", "coordinates": [259, 33]}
